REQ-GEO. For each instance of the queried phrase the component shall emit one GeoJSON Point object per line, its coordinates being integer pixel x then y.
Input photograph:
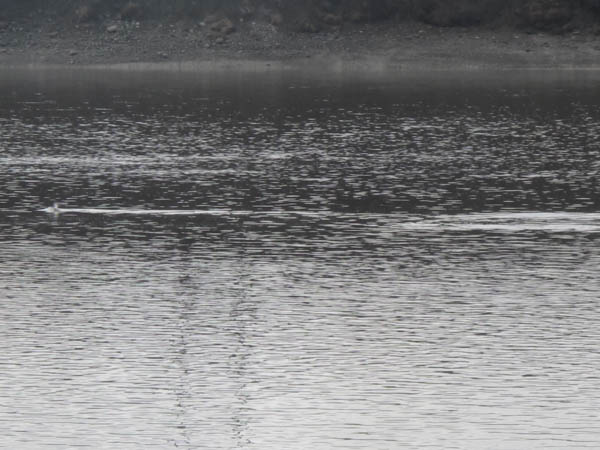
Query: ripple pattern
{"type": "Point", "coordinates": [279, 262]}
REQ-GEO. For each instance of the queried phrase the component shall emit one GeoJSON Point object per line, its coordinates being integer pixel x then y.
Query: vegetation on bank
{"type": "Point", "coordinates": [317, 15]}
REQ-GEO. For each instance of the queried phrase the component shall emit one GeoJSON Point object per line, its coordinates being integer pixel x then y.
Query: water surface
{"type": "Point", "coordinates": [273, 260]}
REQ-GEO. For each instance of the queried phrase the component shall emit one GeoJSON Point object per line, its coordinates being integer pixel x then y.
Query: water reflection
{"type": "Point", "coordinates": [272, 261]}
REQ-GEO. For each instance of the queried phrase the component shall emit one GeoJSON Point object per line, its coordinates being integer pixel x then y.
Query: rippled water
{"type": "Point", "coordinates": [277, 261]}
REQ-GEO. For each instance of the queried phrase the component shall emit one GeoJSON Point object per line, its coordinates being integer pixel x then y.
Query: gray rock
{"type": "Point", "coordinates": [112, 28]}
{"type": "Point", "coordinates": [547, 14]}
{"type": "Point", "coordinates": [223, 26]}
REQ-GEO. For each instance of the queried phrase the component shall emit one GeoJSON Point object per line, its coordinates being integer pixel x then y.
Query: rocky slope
{"type": "Point", "coordinates": [313, 15]}
{"type": "Point", "coordinates": [541, 33]}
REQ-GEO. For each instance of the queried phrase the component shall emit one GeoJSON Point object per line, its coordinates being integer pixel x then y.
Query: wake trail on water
{"type": "Point", "coordinates": [511, 222]}
{"type": "Point", "coordinates": [176, 212]}
{"type": "Point", "coordinates": [139, 212]}
{"type": "Point", "coordinates": [500, 221]}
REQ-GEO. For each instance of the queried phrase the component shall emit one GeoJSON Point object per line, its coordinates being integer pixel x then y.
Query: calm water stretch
{"type": "Point", "coordinates": [282, 261]}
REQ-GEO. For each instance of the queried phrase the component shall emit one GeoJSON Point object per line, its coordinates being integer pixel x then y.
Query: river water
{"type": "Point", "coordinates": [278, 260]}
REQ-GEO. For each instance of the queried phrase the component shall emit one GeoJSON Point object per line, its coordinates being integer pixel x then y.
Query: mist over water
{"type": "Point", "coordinates": [275, 260]}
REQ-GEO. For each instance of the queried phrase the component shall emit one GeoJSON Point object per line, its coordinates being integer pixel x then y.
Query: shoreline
{"type": "Point", "coordinates": [362, 48]}
{"type": "Point", "coordinates": [299, 66]}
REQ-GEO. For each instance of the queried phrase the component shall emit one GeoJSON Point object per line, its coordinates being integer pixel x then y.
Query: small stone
{"type": "Point", "coordinates": [112, 29]}
{"type": "Point", "coordinates": [276, 19]}
{"type": "Point", "coordinates": [86, 13]}
{"type": "Point", "coordinates": [223, 26]}
{"type": "Point", "coordinates": [163, 55]}
{"type": "Point", "coordinates": [72, 52]}
{"type": "Point", "coordinates": [219, 40]}
{"type": "Point", "coordinates": [131, 11]}
{"type": "Point", "coordinates": [331, 19]}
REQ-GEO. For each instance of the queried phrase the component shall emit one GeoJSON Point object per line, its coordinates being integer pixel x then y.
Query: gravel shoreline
{"type": "Point", "coordinates": [370, 47]}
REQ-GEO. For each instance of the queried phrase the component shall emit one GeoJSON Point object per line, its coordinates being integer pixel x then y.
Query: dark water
{"type": "Point", "coordinates": [276, 261]}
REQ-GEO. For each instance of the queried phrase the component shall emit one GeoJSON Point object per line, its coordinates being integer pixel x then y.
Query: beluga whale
{"type": "Point", "coordinates": [54, 209]}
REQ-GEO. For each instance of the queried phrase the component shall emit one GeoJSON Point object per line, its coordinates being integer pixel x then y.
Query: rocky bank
{"type": "Point", "coordinates": [372, 34]}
